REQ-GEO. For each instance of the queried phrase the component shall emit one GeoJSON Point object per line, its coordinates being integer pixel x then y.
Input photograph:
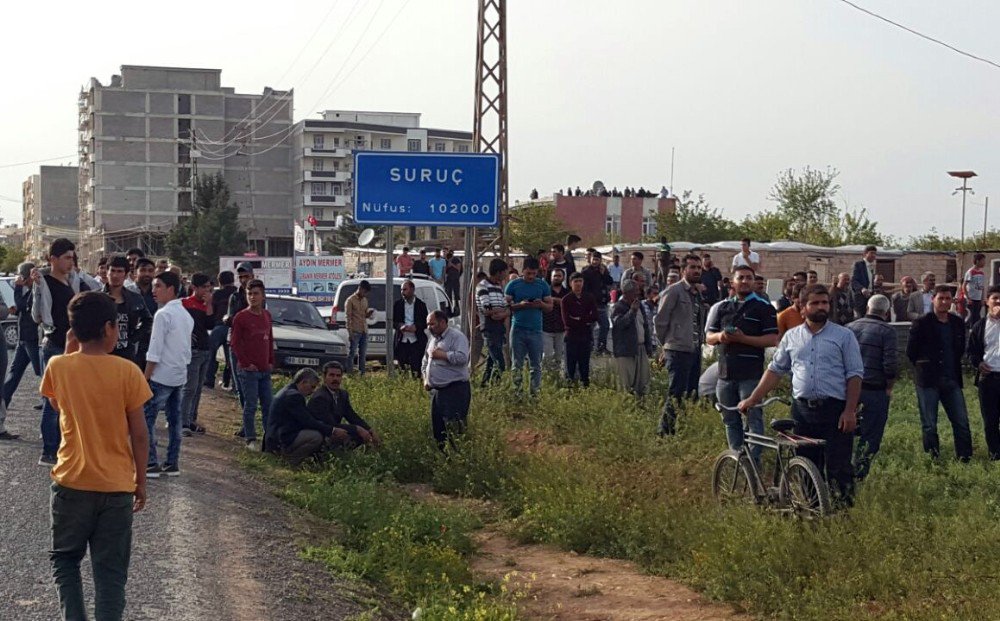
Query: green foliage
{"type": "Point", "coordinates": [10, 257]}
{"type": "Point", "coordinates": [934, 240]}
{"type": "Point", "coordinates": [211, 231]}
{"type": "Point", "coordinates": [695, 221]}
{"type": "Point", "coordinates": [582, 469]}
{"type": "Point", "coordinates": [534, 227]}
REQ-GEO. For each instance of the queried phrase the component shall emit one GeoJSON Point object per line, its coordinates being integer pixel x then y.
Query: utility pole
{"type": "Point", "coordinates": [489, 131]}
{"type": "Point", "coordinates": [964, 175]}
{"type": "Point", "coordinates": [986, 213]}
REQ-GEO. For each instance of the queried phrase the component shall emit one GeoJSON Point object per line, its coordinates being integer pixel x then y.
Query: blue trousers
{"type": "Point", "coordinates": [168, 399]}
{"type": "Point", "coordinates": [25, 352]}
{"type": "Point", "coordinates": [525, 343]}
{"type": "Point", "coordinates": [51, 436]}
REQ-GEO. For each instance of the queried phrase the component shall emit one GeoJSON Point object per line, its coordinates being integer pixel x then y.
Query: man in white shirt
{"type": "Point", "coordinates": [410, 323]}
{"type": "Point", "coordinates": [747, 257]}
{"type": "Point", "coordinates": [167, 361]}
{"type": "Point", "coordinates": [974, 284]}
{"type": "Point", "coordinates": [984, 353]}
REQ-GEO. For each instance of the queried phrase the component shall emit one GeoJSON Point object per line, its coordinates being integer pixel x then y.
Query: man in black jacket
{"type": "Point", "coordinates": [237, 302]}
{"type": "Point", "coordinates": [409, 320]}
{"type": "Point", "coordinates": [134, 319]}
{"type": "Point", "coordinates": [597, 281]}
{"type": "Point", "coordinates": [331, 405]}
{"type": "Point", "coordinates": [291, 429]}
{"type": "Point", "coordinates": [936, 345]}
{"type": "Point", "coordinates": [27, 336]}
{"type": "Point", "coordinates": [199, 306]}
{"type": "Point", "coordinates": [217, 337]}
{"type": "Point", "coordinates": [984, 353]}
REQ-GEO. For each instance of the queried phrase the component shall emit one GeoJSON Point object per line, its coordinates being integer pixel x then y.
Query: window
{"type": "Point", "coordinates": [318, 188]}
{"type": "Point", "coordinates": [386, 143]}
{"type": "Point", "coordinates": [336, 141]}
{"type": "Point", "coordinates": [183, 177]}
{"type": "Point", "coordinates": [439, 146]}
{"type": "Point", "coordinates": [649, 225]}
{"type": "Point", "coordinates": [183, 154]}
{"type": "Point", "coordinates": [463, 148]}
{"type": "Point", "coordinates": [317, 163]}
{"type": "Point", "coordinates": [317, 141]}
{"type": "Point", "coordinates": [184, 104]}
{"type": "Point", "coordinates": [184, 129]}
{"type": "Point", "coordinates": [184, 201]}
{"type": "Point", "coordinates": [413, 144]}
{"type": "Point", "coordinates": [613, 225]}
{"type": "Point", "coordinates": [337, 188]}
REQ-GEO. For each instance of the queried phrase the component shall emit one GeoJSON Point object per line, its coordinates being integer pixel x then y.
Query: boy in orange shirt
{"type": "Point", "coordinates": [99, 479]}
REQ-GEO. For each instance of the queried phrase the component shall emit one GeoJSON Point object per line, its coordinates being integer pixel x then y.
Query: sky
{"type": "Point", "coordinates": [740, 90]}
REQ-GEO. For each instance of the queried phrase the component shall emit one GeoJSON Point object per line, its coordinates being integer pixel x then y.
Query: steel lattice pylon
{"type": "Point", "coordinates": [489, 127]}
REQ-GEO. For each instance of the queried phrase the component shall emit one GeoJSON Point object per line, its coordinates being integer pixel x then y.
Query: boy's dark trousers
{"type": "Point", "coordinates": [102, 521]}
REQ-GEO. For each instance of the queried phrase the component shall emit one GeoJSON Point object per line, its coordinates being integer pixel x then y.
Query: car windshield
{"type": "Point", "coordinates": [294, 313]}
{"type": "Point", "coordinates": [376, 297]}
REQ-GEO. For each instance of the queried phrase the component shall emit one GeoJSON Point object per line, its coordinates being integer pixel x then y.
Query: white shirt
{"type": "Point", "coordinates": [928, 297]}
{"type": "Point", "coordinates": [739, 260]}
{"type": "Point", "coordinates": [171, 354]}
{"type": "Point", "coordinates": [409, 337]}
{"type": "Point", "coordinates": [991, 343]}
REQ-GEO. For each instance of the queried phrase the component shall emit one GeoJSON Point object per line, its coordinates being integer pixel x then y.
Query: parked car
{"type": "Point", "coordinates": [9, 325]}
{"type": "Point", "coordinates": [429, 291]}
{"type": "Point", "coordinates": [302, 338]}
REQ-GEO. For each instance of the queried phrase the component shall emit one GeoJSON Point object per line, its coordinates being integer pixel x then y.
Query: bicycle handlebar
{"type": "Point", "coordinates": [763, 404]}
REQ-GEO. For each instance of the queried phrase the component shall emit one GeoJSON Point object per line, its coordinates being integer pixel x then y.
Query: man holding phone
{"type": "Point", "coordinates": [527, 296]}
{"type": "Point", "coordinates": [741, 328]}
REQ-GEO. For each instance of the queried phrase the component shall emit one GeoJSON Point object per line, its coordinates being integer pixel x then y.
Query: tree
{"type": "Point", "coordinates": [694, 221]}
{"type": "Point", "coordinates": [347, 235]}
{"type": "Point", "coordinates": [764, 226]}
{"type": "Point", "coordinates": [805, 200]}
{"type": "Point", "coordinates": [11, 258]}
{"type": "Point", "coordinates": [211, 231]}
{"type": "Point", "coordinates": [534, 195]}
{"type": "Point", "coordinates": [534, 227]}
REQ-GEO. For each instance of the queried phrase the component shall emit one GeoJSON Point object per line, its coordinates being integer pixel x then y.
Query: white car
{"type": "Point", "coordinates": [427, 290]}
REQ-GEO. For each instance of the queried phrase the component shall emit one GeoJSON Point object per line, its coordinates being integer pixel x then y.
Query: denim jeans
{"type": "Point", "coordinates": [256, 387]}
{"type": "Point", "coordinates": [525, 343]}
{"type": "Point", "coordinates": [495, 364]}
{"type": "Point", "coordinates": [684, 369]}
{"type": "Point", "coordinates": [191, 396]}
{"type": "Point", "coordinates": [578, 361]}
{"type": "Point", "coordinates": [51, 436]}
{"type": "Point", "coordinates": [730, 393]}
{"type": "Point", "coordinates": [874, 414]}
{"type": "Point", "coordinates": [948, 394]}
{"type": "Point", "coordinates": [359, 348]}
{"type": "Point", "coordinates": [216, 339]}
{"type": "Point", "coordinates": [168, 399]}
{"type": "Point", "coordinates": [554, 350]}
{"type": "Point", "coordinates": [25, 352]}
{"type": "Point", "coordinates": [602, 326]}
{"type": "Point", "coordinates": [103, 522]}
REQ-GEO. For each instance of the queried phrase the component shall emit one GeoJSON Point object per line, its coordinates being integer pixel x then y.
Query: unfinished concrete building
{"type": "Point", "coordinates": [49, 208]}
{"type": "Point", "coordinates": [146, 135]}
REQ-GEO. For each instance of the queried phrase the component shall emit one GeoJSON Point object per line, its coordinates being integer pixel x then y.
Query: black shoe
{"type": "Point", "coordinates": [6, 435]}
{"type": "Point", "coordinates": [171, 470]}
{"type": "Point", "coordinates": [153, 471]}
{"type": "Point", "coordinates": [37, 407]}
{"type": "Point", "coordinates": [47, 460]}
{"type": "Point", "coordinates": [240, 434]}
{"type": "Point", "coordinates": [196, 428]}
{"type": "Point", "coordinates": [186, 432]}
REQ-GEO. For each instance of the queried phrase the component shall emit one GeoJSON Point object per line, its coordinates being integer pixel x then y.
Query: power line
{"type": "Point", "coordinates": [51, 159]}
{"type": "Point", "coordinates": [922, 35]}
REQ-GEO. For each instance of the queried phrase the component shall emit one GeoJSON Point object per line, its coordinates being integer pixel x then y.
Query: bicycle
{"type": "Point", "coordinates": [797, 485]}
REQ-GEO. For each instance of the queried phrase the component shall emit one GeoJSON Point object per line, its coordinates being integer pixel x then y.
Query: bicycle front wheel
{"type": "Point", "coordinates": [732, 479]}
{"type": "Point", "coordinates": [803, 490]}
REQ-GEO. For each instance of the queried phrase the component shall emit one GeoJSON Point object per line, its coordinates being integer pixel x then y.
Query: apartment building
{"type": "Point", "coordinates": [49, 208]}
{"type": "Point", "coordinates": [143, 138]}
{"type": "Point", "coordinates": [323, 155]}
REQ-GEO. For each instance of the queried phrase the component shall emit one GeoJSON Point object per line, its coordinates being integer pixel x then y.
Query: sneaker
{"type": "Point", "coordinates": [153, 471]}
{"type": "Point", "coordinates": [196, 428]}
{"type": "Point", "coordinates": [6, 435]}
{"type": "Point", "coordinates": [186, 432]}
{"type": "Point", "coordinates": [240, 434]}
{"type": "Point", "coordinates": [252, 446]}
{"type": "Point", "coordinates": [47, 460]}
{"type": "Point", "coordinates": [37, 407]}
{"type": "Point", "coordinates": [171, 470]}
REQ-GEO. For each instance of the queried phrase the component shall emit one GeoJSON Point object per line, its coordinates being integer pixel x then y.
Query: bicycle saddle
{"type": "Point", "coordinates": [782, 425]}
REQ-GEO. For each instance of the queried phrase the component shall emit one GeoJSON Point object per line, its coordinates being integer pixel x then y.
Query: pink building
{"type": "Point", "coordinates": [611, 219]}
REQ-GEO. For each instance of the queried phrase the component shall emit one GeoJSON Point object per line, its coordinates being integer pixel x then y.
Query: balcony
{"type": "Point", "coordinates": [329, 200]}
{"type": "Point", "coordinates": [336, 176]}
{"type": "Point", "coordinates": [333, 152]}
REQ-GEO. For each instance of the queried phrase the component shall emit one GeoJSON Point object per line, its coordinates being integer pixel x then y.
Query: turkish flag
{"type": "Point", "coordinates": [312, 220]}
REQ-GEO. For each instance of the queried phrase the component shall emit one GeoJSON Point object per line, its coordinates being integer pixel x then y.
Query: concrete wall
{"type": "Point", "coordinates": [59, 196]}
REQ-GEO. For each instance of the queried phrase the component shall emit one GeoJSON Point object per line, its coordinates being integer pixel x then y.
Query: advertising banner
{"type": "Point", "coordinates": [317, 277]}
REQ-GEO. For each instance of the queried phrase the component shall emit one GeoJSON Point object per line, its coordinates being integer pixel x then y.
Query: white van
{"type": "Point", "coordinates": [428, 291]}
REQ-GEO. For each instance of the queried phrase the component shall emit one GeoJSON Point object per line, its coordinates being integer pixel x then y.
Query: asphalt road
{"type": "Point", "coordinates": [211, 544]}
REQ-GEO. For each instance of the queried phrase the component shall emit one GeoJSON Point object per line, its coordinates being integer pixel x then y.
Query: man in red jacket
{"type": "Point", "coordinates": [252, 341]}
{"type": "Point", "coordinates": [199, 306]}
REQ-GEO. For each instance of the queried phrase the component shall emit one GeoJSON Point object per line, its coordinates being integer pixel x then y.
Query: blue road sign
{"type": "Point", "coordinates": [430, 189]}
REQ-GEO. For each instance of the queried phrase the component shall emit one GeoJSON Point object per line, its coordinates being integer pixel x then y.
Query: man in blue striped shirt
{"type": "Point", "coordinates": [824, 360]}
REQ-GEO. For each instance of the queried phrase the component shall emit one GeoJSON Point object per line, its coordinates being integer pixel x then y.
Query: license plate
{"type": "Point", "coordinates": [305, 362]}
{"type": "Point", "coordinates": [377, 338]}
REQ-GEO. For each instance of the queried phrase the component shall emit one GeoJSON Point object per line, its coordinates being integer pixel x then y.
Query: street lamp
{"type": "Point", "coordinates": [964, 175]}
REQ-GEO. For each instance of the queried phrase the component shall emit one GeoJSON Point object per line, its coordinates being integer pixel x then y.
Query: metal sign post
{"type": "Point", "coordinates": [390, 246]}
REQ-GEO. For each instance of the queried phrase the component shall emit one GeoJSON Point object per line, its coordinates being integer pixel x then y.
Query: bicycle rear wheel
{"type": "Point", "coordinates": [732, 479]}
{"type": "Point", "coordinates": [803, 490]}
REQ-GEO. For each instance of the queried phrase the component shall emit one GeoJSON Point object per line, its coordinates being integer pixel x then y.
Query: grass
{"type": "Point", "coordinates": [582, 469]}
